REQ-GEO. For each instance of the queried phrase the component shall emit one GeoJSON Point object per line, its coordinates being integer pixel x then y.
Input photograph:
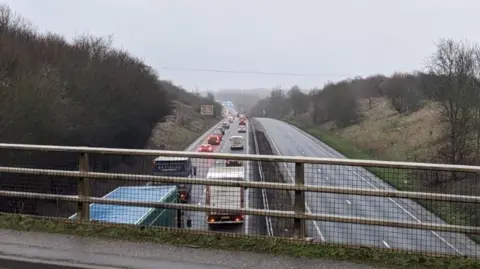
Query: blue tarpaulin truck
{"type": "Point", "coordinates": [137, 215]}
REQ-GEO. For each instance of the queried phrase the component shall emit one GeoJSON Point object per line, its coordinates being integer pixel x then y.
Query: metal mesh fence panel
{"type": "Point", "coordinates": [349, 196]}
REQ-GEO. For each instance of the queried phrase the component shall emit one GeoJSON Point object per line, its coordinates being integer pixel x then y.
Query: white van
{"type": "Point", "coordinates": [236, 142]}
{"type": "Point", "coordinates": [226, 125]}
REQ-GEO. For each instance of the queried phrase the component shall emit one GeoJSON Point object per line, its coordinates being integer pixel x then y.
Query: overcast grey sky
{"type": "Point", "coordinates": [333, 39]}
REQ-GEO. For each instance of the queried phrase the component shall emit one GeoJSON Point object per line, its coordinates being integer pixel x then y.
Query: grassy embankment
{"type": "Point", "coordinates": [181, 129]}
{"type": "Point", "coordinates": [376, 257]}
{"type": "Point", "coordinates": [384, 134]}
{"type": "Point", "coordinates": [64, 81]}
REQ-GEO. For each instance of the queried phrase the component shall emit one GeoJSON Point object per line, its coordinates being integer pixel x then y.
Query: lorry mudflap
{"type": "Point", "coordinates": [183, 194]}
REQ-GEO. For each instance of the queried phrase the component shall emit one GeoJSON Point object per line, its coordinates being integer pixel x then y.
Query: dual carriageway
{"type": "Point", "coordinates": [288, 140]}
{"type": "Point", "coordinates": [285, 139]}
{"type": "Point", "coordinates": [198, 192]}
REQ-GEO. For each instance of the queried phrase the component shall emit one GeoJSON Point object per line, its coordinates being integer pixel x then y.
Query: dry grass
{"type": "Point", "coordinates": [180, 129]}
{"type": "Point", "coordinates": [386, 134]}
{"type": "Point", "coordinates": [177, 132]}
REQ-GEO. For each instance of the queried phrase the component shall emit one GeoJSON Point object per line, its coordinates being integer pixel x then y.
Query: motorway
{"type": "Point", "coordinates": [252, 224]}
{"type": "Point", "coordinates": [50, 251]}
{"type": "Point", "coordinates": [21, 250]}
{"type": "Point", "coordinates": [288, 140]}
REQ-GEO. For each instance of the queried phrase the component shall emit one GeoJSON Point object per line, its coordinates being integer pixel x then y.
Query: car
{"type": "Point", "coordinates": [242, 129]}
{"type": "Point", "coordinates": [226, 125]}
{"type": "Point", "coordinates": [219, 131]}
{"type": "Point", "coordinates": [229, 163]}
{"type": "Point", "coordinates": [205, 148]}
{"type": "Point", "coordinates": [236, 142]}
{"type": "Point", "coordinates": [214, 140]}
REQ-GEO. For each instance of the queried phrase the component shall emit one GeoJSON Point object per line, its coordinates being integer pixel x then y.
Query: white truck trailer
{"type": "Point", "coordinates": [221, 196]}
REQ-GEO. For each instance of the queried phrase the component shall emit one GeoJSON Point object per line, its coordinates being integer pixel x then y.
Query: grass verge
{"type": "Point", "coordinates": [275, 246]}
{"type": "Point", "coordinates": [400, 179]}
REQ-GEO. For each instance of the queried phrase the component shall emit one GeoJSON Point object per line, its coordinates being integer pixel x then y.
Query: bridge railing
{"type": "Point", "coordinates": [327, 200]}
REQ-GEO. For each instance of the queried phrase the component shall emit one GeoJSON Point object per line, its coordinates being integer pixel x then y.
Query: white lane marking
{"type": "Point", "coordinates": [375, 187]}
{"type": "Point", "coordinates": [386, 244]}
{"type": "Point", "coordinates": [266, 205]}
{"type": "Point", "coordinates": [410, 214]}
{"type": "Point", "coordinates": [202, 137]}
{"type": "Point", "coordinates": [315, 224]}
{"type": "Point", "coordinates": [322, 238]}
{"type": "Point", "coordinates": [348, 202]}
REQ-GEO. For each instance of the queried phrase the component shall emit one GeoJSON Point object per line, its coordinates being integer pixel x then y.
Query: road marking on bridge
{"type": "Point", "coordinates": [322, 238]}
{"type": "Point", "coordinates": [386, 244]}
{"type": "Point", "coordinates": [348, 202]}
{"type": "Point", "coordinates": [390, 199]}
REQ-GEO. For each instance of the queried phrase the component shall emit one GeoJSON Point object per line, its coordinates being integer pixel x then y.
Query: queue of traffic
{"type": "Point", "coordinates": [229, 170]}
{"type": "Point", "coordinates": [232, 197]}
{"type": "Point", "coordinates": [180, 193]}
{"type": "Point", "coordinates": [236, 141]}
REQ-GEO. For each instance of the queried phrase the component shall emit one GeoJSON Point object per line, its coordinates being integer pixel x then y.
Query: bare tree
{"type": "Point", "coordinates": [298, 100]}
{"type": "Point", "coordinates": [403, 92]}
{"type": "Point", "coordinates": [80, 93]}
{"type": "Point", "coordinates": [278, 105]}
{"type": "Point", "coordinates": [475, 106]}
{"type": "Point", "coordinates": [368, 88]}
{"type": "Point", "coordinates": [337, 102]}
{"type": "Point", "coordinates": [454, 64]}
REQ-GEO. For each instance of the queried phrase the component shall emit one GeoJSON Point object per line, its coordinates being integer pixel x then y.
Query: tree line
{"type": "Point", "coordinates": [451, 79]}
{"type": "Point", "coordinates": [80, 93]}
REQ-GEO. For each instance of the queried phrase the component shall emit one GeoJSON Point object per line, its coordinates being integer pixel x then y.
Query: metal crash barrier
{"type": "Point", "coordinates": [311, 183]}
